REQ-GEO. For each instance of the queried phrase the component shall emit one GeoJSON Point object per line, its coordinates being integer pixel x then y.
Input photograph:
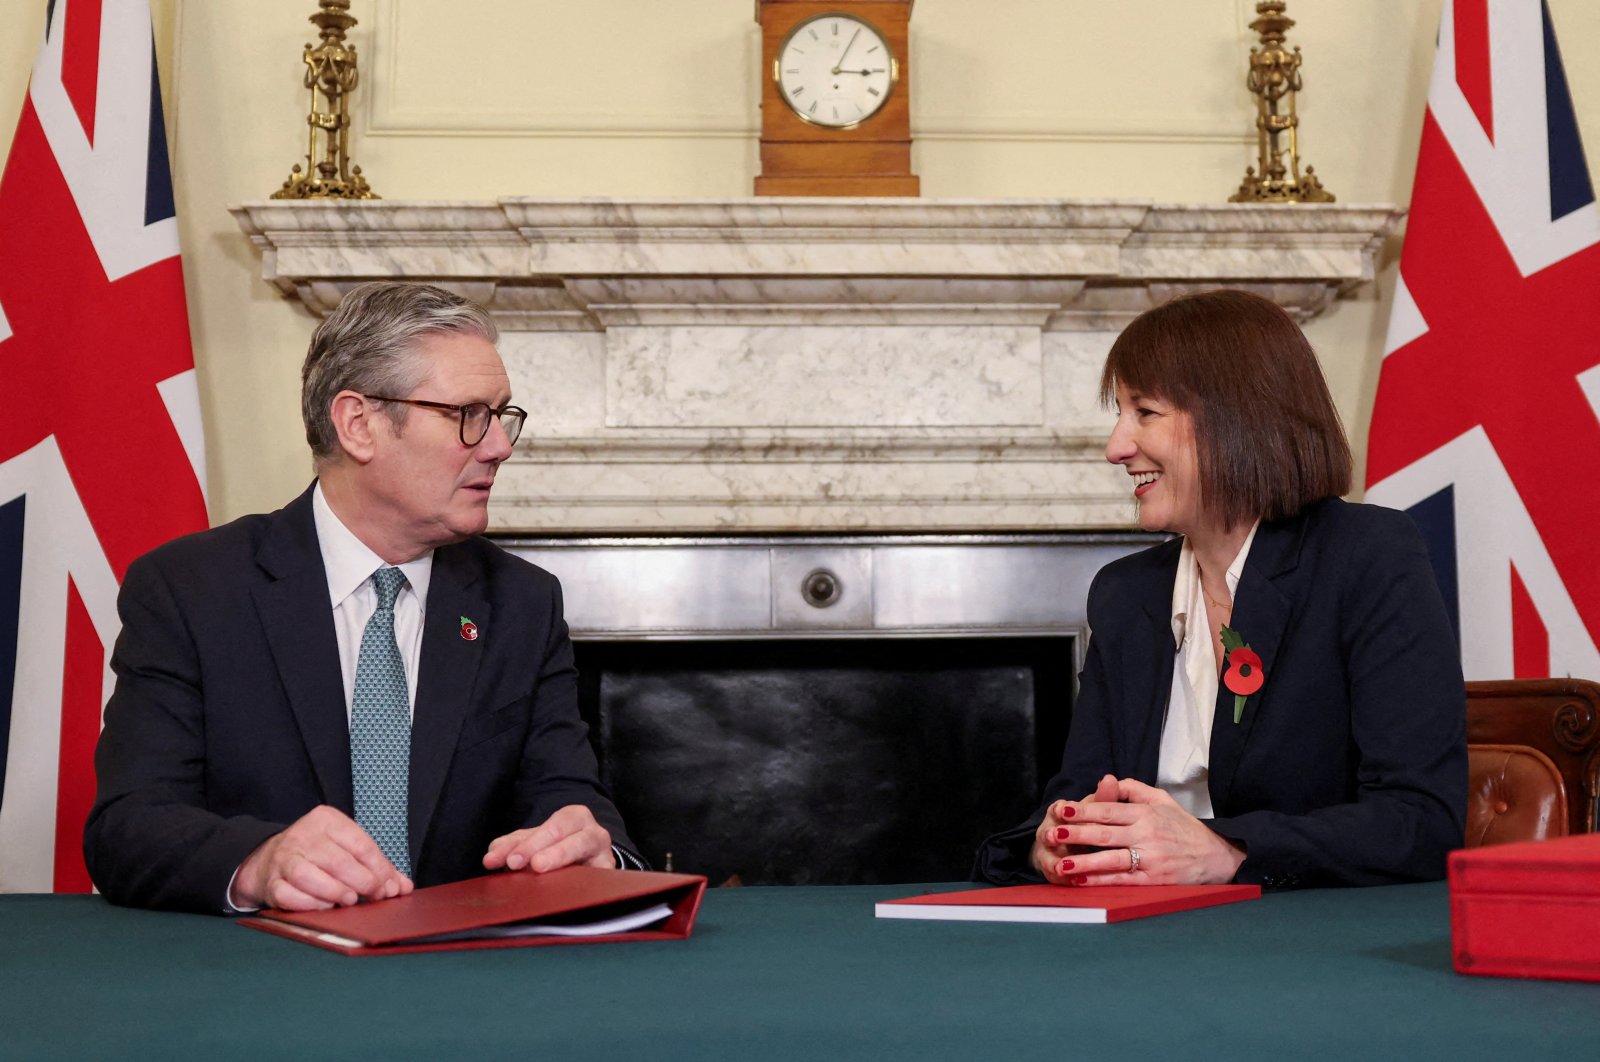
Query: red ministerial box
{"type": "Point", "coordinates": [1528, 910]}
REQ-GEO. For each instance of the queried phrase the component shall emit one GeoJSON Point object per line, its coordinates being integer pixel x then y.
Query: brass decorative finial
{"type": "Point", "coordinates": [1274, 78]}
{"type": "Point", "coordinates": [330, 75]}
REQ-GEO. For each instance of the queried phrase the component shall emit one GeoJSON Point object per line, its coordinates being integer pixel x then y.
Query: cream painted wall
{"type": "Point", "coordinates": [653, 98]}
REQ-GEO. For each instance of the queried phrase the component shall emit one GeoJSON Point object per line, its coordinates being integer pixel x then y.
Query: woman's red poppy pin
{"type": "Point", "coordinates": [1244, 675]}
{"type": "Point", "coordinates": [469, 630]}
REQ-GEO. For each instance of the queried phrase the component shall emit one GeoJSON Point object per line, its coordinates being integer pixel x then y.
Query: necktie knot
{"type": "Point", "coordinates": [387, 582]}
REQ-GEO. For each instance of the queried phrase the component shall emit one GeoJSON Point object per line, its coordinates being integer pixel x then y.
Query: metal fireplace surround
{"type": "Point", "coordinates": [789, 710]}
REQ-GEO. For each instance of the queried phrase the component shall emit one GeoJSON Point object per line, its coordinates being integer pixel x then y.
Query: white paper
{"type": "Point", "coordinates": [621, 924]}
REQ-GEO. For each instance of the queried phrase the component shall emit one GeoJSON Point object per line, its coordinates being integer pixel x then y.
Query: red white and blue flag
{"type": "Point", "coordinates": [1487, 422]}
{"type": "Point", "coordinates": [101, 454]}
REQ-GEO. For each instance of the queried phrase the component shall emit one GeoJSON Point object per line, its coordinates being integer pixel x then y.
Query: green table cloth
{"type": "Point", "coordinates": [779, 973]}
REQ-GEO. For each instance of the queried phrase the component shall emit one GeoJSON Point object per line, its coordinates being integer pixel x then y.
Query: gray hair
{"type": "Point", "coordinates": [367, 345]}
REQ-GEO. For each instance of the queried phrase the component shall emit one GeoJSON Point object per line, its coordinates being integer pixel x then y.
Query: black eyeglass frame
{"type": "Point", "coordinates": [462, 412]}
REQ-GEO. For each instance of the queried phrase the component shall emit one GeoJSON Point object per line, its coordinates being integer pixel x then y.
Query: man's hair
{"type": "Point", "coordinates": [1268, 438]}
{"type": "Point", "coordinates": [368, 345]}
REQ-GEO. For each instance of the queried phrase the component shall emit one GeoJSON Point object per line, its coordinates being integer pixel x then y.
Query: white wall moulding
{"type": "Point", "coordinates": [615, 69]}
{"type": "Point", "coordinates": [819, 365]}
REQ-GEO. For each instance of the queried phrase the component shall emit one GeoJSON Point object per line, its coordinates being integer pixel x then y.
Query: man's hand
{"type": "Point", "coordinates": [322, 860]}
{"type": "Point", "coordinates": [568, 837]}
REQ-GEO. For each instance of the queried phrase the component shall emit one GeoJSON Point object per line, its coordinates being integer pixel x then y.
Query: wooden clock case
{"type": "Point", "coordinates": [800, 158]}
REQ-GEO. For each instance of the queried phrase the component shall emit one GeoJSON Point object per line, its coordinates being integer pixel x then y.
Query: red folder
{"type": "Point", "coordinates": [407, 923]}
{"type": "Point", "coordinates": [1528, 910]}
{"type": "Point", "coordinates": [1065, 903]}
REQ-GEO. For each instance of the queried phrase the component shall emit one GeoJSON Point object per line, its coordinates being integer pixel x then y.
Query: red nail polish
{"type": "Point", "coordinates": [1068, 811]}
{"type": "Point", "coordinates": [1081, 879]}
{"type": "Point", "coordinates": [1061, 834]}
{"type": "Point", "coordinates": [1064, 866]}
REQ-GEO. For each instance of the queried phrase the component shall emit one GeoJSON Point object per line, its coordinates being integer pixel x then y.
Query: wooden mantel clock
{"type": "Point", "coordinates": [835, 98]}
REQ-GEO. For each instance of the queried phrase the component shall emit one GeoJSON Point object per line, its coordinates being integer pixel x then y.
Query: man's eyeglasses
{"type": "Point", "coordinates": [474, 417]}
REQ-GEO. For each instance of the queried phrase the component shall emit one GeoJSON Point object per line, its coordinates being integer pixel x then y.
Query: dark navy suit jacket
{"type": "Point", "coordinates": [228, 720]}
{"type": "Point", "coordinates": [1349, 767]}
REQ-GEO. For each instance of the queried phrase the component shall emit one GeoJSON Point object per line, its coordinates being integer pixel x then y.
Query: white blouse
{"type": "Point", "coordinates": [1185, 766]}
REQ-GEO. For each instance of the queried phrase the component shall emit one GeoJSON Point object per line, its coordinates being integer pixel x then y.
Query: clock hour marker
{"type": "Point", "coordinates": [874, 91]}
{"type": "Point", "coordinates": [792, 70]}
{"type": "Point", "coordinates": [796, 92]}
{"type": "Point", "coordinates": [813, 109]}
{"type": "Point", "coordinates": [835, 29]}
{"type": "Point", "coordinates": [836, 114]}
{"type": "Point", "coordinates": [872, 49]}
{"type": "Point", "coordinates": [814, 35]}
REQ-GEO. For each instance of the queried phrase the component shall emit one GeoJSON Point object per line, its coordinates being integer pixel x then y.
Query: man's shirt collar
{"type": "Point", "coordinates": [349, 563]}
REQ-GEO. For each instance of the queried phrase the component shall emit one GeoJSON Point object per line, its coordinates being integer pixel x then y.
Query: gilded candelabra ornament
{"type": "Point", "coordinates": [1274, 79]}
{"type": "Point", "coordinates": [331, 77]}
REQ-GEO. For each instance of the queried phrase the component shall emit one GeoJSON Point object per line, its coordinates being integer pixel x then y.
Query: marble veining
{"type": "Point", "coordinates": [699, 376]}
{"type": "Point", "coordinates": [772, 364]}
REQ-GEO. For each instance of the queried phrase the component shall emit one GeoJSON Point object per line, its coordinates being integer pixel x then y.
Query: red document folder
{"type": "Point", "coordinates": [1065, 903]}
{"type": "Point", "coordinates": [390, 927]}
{"type": "Point", "coordinates": [1528, 910]}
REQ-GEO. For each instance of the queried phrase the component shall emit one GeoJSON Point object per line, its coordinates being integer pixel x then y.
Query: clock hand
{"type": "Point", "coordinates": [846, 52]}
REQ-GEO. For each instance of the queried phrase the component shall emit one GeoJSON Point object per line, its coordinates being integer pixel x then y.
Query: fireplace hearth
{"type": "Point", "coordinates": [825, 761]}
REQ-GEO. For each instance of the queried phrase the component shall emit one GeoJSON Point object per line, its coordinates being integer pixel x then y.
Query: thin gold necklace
{"type": "Point", "coordinates": [1213, 601]}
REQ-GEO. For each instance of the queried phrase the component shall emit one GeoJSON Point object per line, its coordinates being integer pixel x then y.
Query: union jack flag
{"type": "Point", "coordinates": [101, 454]}
{"type": "Point", "coordinates": [1488, 409]}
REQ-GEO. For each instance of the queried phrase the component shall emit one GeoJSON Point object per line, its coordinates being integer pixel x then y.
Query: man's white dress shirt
{"type": "Point", "coordinates": [349, 565]}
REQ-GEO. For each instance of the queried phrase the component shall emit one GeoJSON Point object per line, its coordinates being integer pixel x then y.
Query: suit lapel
{"type": "Point", "coordinates": [298, 621]}
{"type": "Point", "coordinates": [1144, 725]}
{"type": "Point", "coordinates": [448, 670]}
{"type": "Point", "coordinates": [1262, 609]}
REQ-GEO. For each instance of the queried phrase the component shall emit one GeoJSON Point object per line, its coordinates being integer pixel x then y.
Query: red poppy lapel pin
{"type": "Point", "coordinates": [1244, 675]}
{"type": "Point", "coordinates": [469, 630]}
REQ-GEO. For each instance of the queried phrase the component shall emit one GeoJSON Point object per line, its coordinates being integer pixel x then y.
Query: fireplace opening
{"type": "Point", "coordinates": [818, 760]}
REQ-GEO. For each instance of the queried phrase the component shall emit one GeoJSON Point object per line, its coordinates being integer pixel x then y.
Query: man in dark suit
{"type": "Point", "coordinates": [325, 704]}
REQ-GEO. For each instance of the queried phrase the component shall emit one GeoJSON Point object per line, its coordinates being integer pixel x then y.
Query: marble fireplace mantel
{"type": "Point", "coordinates": [813, 364]}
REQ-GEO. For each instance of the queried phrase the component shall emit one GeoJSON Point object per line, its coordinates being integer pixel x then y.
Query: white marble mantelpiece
{"type": "Point", "coordinates": [813, 364]}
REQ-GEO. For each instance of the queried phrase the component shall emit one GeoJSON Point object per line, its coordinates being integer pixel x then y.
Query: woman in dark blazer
{"type": "Point", "coordinates": [1275, 696]}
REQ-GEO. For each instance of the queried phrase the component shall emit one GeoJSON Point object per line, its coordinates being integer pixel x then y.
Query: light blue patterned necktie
{"type": "Point", "coordinates": [380, 729]}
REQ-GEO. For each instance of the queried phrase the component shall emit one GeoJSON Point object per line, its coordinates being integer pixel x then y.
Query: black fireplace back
{"type": "Point", "coordinates": [825, 760]}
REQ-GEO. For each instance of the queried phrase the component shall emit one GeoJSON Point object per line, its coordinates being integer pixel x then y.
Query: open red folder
{"type": "Point", "coordinates": [1065, 903]}
{"type": "Point", "coordinates": [574, 905]}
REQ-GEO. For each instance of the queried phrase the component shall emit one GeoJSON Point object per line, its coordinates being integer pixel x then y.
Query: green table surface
{"type": "Point", "coordinates": [776, 973]}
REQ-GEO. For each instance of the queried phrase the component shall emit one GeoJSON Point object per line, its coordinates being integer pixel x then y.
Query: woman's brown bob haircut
{"type": "Point", "coordinates": [1268, 438]}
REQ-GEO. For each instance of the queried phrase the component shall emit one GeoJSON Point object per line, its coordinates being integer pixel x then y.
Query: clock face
{"type": "Point", "coordinates": [835, 71]}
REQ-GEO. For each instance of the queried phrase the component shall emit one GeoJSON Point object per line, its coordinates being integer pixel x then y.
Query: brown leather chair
{"type": "Point", "coordinates": [1533, 753]}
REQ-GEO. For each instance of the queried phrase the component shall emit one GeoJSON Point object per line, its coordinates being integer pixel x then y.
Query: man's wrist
{"type": "Point", "coordinates": [237, 904]}
{"type": "Point", "coordinates": [239, 901]}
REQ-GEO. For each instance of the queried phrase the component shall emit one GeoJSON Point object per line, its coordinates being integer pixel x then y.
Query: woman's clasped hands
{"type": "Point", "coordinates": [1130, 833]}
